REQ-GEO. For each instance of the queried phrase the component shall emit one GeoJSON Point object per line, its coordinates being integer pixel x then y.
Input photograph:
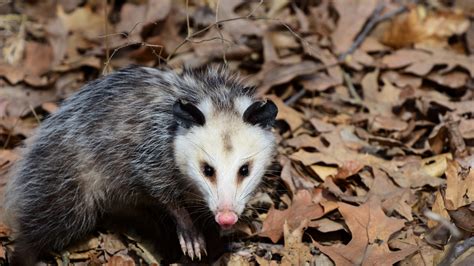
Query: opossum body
{"type": "Point", "coordinates": [141, 137]}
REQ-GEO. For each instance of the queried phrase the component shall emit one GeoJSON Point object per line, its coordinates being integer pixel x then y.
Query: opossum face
{"type": "Point", "coordinates": [225, 153]}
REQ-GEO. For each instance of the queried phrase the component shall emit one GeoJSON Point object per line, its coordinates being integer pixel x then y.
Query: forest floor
{"type": "Point", "coordinates": [375, 129]}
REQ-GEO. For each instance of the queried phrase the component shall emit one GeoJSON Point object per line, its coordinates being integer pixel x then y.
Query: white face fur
{"type": "Point", "coordinates": [226, 157]}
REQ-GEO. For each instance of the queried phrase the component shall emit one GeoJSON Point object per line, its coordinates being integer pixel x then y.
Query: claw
{"type": "Point", "coordinates": [182, 243]}
{"type": "Point", "coordinates": [190, 249]}
{"type": "Point", "coordinates": [197, 250]}
{"type": "Point", "coordinates": [191, 240]}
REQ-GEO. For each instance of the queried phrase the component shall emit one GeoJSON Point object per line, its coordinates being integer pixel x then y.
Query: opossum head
{"type": "Point", "coordinates": [225, 152]}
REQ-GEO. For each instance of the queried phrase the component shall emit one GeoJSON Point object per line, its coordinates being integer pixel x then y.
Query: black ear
{"type": "Point", "coordinates": [188, 114]}
{"type": "Point", "coordinates": [262, 113]}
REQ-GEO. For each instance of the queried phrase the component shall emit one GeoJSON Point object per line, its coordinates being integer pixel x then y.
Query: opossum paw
{"type": "Point", "coordinates": [192, 243]}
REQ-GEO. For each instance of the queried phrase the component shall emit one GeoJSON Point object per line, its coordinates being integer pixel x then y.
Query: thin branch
{"type": "Point", "coordinates": [350, 86]}
{"type": "Point", "coordinates": [215, 24]}
{"type": "Point", "coordinates": [188, 25]}
{"type": "Point", "coordinates": [375, 19]}
{"type": "Point", "coordinates": [293, 99]}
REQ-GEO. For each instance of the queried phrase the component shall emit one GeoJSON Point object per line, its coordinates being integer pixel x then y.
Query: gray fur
{"type": "Point", "coordinates": [109, 145]}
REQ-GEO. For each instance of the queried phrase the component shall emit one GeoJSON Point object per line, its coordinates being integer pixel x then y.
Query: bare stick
{"type": "Point", "coordinates": [351, 87]}
{"type": "Point", "coordinates": [375, 19]}
{"type": "Point", "coordinates": [106, 30]}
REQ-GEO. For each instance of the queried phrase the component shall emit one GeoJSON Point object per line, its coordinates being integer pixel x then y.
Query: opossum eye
{"type": "Point", "coordinates": [244, 170]}
{"type": "Point", "coordinates": [208, 171]}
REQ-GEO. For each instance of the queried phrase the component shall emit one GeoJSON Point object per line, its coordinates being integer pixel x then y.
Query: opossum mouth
{"type": "Point", "coordinates": [226, 219]}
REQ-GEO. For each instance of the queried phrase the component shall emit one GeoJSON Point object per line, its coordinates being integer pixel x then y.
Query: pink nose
{"type": "Point", "coordinates": [226, 219]}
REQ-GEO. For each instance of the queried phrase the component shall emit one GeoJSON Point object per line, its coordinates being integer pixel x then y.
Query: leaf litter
{"type": "Point", "coordinates": [375, 129]}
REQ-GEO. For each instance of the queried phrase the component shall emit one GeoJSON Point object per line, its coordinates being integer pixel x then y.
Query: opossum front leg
{"type": "Point", "coordinates": [190, 239]}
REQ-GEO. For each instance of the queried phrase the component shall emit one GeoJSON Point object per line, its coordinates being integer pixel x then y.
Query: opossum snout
{"type": "Point", "coordinates": [226, 218]}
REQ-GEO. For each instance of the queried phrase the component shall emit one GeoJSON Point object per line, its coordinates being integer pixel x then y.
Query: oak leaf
{"type": "Point", "coordinates": [371, 230]}
{"type": "Point", "coordinates": [300, 209]}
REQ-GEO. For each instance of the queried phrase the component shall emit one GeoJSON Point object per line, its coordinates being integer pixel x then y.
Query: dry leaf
{"type": "Point", "coordinates": [371, 230]}
{"type": "Point", "coordinates": [38, 59]}
{"type": "Point", "coordinates": [422, 62]}
{"type": "Point", "coordinates": [120, 260]}
{"type": "Point", "coordinates": [282, 74]}
{"type": "Point", "coordinates": [459, 186]}
{"type": "Point", "coordinates": [302, 207]}
{"type": "Point", "coordinates": [462, 217]}
{"type": "Point", "coordinates": [453, 80]}
{"type": "Point", "coordinates": [421, 25]}
{"type": "Point", "coordinates": [84, 21]}
{"type": "Point", "coordinates": [352, 16]}
{"type": "Point", "coordinates": [135, 17]}
{"type": "Point", "coordinates": [438, 208]}
{"type": "Point", "coordinates": [295, 252]}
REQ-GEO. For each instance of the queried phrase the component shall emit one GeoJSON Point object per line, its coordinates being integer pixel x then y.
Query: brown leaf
{"type": "Point", "coordinates": [359, 59]}
{"type": "Point", "coordinates": [133, 17]}
{"type": "Point", "coordinates": [17, 101]}
{"type": "Point", "coordinates": [371, 44]}
{"type": "Point", "coordinates": [13, 74]}
{"type": "Point", "coordinates": [387, 123]}
{"type": "Point", "coordinates": [38, 58]}
{"type": "Point", "coordinates": [111, 244]}
{"type": "Point", "coordinates": [352, 17]}
{"type": "Point", "coordinates": [462, 217]}
{"type": "Point", "coordinates": [295, 252]}
{"type": "Point", "coordinates": [459, 186]}
{"type": "Point", "coordinates": [301, 208]}
{"type": "Point", "coordinates": [85, 21]}
{"type": "Point", "coordinates": [309, 158]}
{"type": "Point", "coordinates": [326, 225]}
{"type": "Point", "coordinates": [321, 126]}
{"type": "Point", "coordinates": [319, 82]}
{"type": "Point", "coordinates": [402, 80]}
{"type": "Point", "coordinates": [466, 128]}
{"type": "Point", "coordinates": [421, 62]}
{"type": "Point", "coordinates": [470, 38]}
{"type": "Point", "coordinates": [382, 255]}
{"type": "Point", "coordinates": [400, 202]}
{"type": "Point", "coordinates": [348, 169]}
{"type": "Point", "coordinates": [371, 230]}
{"type": "Point", "coordinates": [380, 102]}
{"type": "Point", "coordinates": [311, 48]}
{"type": "Point", "coordinates": [425, 26]}
{"type": "Point", "coordinates": [282, 74]}
{"type": "Point", "coordinates": [236, 28]}
{"type": "Point", "coordinates": [453, 80]}
{"type": "Point", "coordinates": [120, 260]}
{"type": "Point", "coordinates": [438, 208]}
{"type": "Point", "coordinates": [417, 173]}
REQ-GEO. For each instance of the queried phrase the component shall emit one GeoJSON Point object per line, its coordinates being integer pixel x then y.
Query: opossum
{"type": "Point", "coordinates": [141, 137]}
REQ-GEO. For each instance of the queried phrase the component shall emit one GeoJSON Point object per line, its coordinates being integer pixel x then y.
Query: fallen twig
{"type": "Point", "coordinates": [351, 87]}
{"type": "Point", "coordinates": [375, 19]}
